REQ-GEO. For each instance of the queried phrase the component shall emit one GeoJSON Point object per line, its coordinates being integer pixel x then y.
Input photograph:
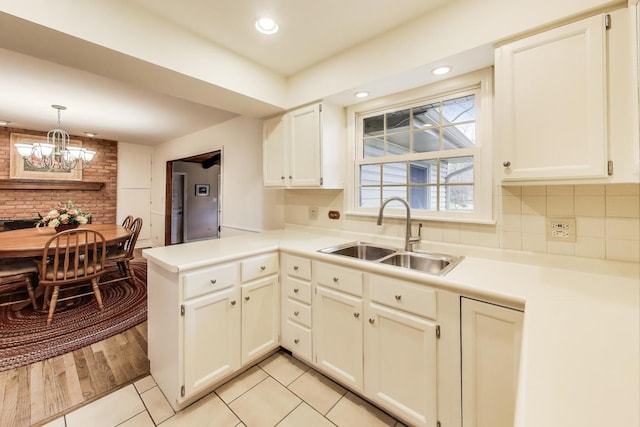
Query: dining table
{"type": "Point", "coordinates": [30, 242]}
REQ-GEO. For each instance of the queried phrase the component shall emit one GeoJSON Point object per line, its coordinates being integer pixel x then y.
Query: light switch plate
{"type": "Point", "coordinates": [561, 230]}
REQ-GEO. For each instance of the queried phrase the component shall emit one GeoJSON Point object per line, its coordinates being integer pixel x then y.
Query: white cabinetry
{"type": "Point", "coordinates": [296, 306]}
{"type": "Point", "coordinates": [562, 102]}
{"type": "Point", "coordinates": [305, 148]}
{"type": "Point", "coordinates": [337, 323]}
{"type": "Point", "coordinates": [491, 338]}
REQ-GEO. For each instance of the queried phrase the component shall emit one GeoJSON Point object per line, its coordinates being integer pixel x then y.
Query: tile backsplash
{"type": "Point", "coordinates": [607, 220]}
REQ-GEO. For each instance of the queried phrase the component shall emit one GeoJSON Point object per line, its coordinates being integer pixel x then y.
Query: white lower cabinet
{"type": "Point", "coordinates": [260, 318]}
{"type": "Point", "coordinates": [491, 338]}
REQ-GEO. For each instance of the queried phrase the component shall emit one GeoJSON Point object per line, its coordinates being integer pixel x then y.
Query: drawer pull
{"type": "Point", "coordinates": [335, 280]}
{"type": "Point", "coordinates": [233, 302]}
{"type": "Point", "coordinates": [398, 297]}
{"type": "Point", "coordinates": [296, 268]}
{"type": "Point", "coordinates": [247, 298]}
{"type": "Point", "coordinates": [296, 341]}
{"type": "Point", "coordinates": [213, 281]}
{"type": "Point", "coordinates": [295, 313]}
{"type": "Point", "coordinates": [263, 268]}
{"type": "Point", "coordinates": [372, 321]}
{"type": "Point", "coordinates": [356, 315]}
{"type": "Point", "coordinates": [296, 290]}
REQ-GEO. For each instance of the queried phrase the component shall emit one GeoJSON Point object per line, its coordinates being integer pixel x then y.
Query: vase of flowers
{"type": "Point", "coordinates": [64, 217]}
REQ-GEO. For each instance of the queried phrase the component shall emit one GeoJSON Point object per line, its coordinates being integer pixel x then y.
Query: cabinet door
{"type": "Point", "coordinates": [274, 150]}
{"type": "Point", "coordinates": [400, 366]}
{"type": "Point", "coordinates": [491, 337]}
{"type": "Point", "coordinates": [551, 103]}
{"type": "Point", "coordinates": [305, 163]}
{"type": "Point", "coordinates": [337, 335]}
{"type": "Point", "coordinates": [211, 339]}
{"type": "Point", "coordinates": [260, 318]}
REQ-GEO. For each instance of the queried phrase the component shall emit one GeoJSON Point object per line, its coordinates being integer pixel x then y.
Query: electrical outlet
{"type": "Point", "coordinates": [313, 212]}
{"type": "Point", "coordinates": [561, 229]}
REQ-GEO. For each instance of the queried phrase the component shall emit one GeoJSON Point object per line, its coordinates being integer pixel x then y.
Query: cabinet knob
{"type": "Point", "coordinates": [282, 177]}
{"type": "Point", "coordinates": [295, 313]}
{"type": "Point", "coordinates": [335, 280]}
{"type": "Point", "coordinates": [263, 268]}
{"type": "Point", "coordinates": [233, 302]}
{"type": "Point", "coordinates": [506, 164]}
{"type": "Point", "coordinates": [290, 177]}
{"type": "Point", "coordinates": [372, 321]}
{"type": "Point", "coordinates": [247, 298]}
{"type": "Point", "coordinates": [213, 281]}
{"type": "Point", "coordinates": [296, 341]}
{"type": "Point", "coordinates": [296, 290]}
{"type": "Point", "coordinates": [398, 297]}
{"type": "Point", "coordinates": [295, 267]}
{"type": "Point", "coordinates": [356, 315]}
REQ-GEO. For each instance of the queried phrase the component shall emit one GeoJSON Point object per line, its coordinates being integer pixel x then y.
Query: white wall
{"type": "Point", "coordinates": [246, 204]}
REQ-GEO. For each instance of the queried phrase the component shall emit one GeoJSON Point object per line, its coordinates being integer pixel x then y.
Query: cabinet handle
{"type": "Point", "coordinates": [233, 302]}
{"type": "Point", "coordinates": [296, 341]}
{"type": "Point", "coordinates": [506, 164]}
{"type": "Point", "coordinates": [398, 297]}
{"type": "Point", "coordinates": [296, 290]}
{"type": "Point", "coordinates": [213, 281]}
{"type": "Point", "coordinates": [295, 267]}
{"type": "Point", "coordinates": [356, 315]}
{"type": "Point", "coordinates": [247, 298]}
{"type": "Point", "coordinates": [372, 321]}
{"type": "Point", "coordinates": [263, 268]}
{"type": "Point", "coordinates": [335, 280]}
{"type": "Point", "coordinates": [295, 313]}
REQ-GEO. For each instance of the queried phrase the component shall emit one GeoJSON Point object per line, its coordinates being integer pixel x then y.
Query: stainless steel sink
{"type": "Point", "coordinates": [360, 250]}
{"type": "Point", "coordinates": [433, 263]}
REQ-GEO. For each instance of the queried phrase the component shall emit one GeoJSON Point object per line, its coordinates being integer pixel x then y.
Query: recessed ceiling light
{"type": "Point", "coordinates": [441, 70]}
{"type": "Point", "coordinates": [267, 26]}
{"type": "Point", "coordinates": [361, 94]}
{"type": "Point", "coordinates": [4, 122]}
{"type": "Point", "coordinates": [90, 134]}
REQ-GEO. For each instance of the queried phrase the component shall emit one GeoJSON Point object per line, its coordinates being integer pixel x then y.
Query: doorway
{"type": "Point", "coordinates": [193, 207]}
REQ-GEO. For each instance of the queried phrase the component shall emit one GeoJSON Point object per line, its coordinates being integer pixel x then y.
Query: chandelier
{"type": "Point", "coordinates": [56, 153]}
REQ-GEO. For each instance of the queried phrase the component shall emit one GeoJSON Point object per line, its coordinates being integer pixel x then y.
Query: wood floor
{"type": "Point", "coordinates": [35, 394]}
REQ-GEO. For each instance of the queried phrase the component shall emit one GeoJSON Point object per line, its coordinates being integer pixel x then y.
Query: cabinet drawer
{"type": "Point", "coordinates": [298, 290]}
{"type": "Point", "coordinates": [405, 296]}
{"type": "Point", "coordinates": [298, 312]}
{"type": "Point", "coordinates": [208, 280]}
{"type": "Point", "coordinates": [343, 279]}
{"type": "Point", "coordinates": [259, 266]}
{"type": "Point", "coordinates": [297, 267]}
{"type": "Point", "coordinates": [296, 339]}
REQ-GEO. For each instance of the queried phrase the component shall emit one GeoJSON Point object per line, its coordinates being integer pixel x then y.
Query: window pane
{"type": "Point", "coordinates": [456, 170]}
{"type": "Point", "coordinates": [394, 173]}
{"type": "Point", "coordinates": [426, 140]}
{"type": "Point", "coordinates": [370, 175]}
{"type": "Point", "coordinates": [461, 136]}
{"type": "Point", "coordinates": [373, 126]}
{"type": "Point", "coordinates": [423, 197]}
{"type": "Point", "coordinates": [394, 192]}
{"type": "Point", "coordinates": [459, 110]}
{"type": "Point", "coordinates": [398, 121]}
{"type": "Point", "coordinates": [423, 171]}
{"type": "Point", "coordinates": [426, 116]}
{"type": "Point", "coordinates": [370, 197]}
{"type": "Point", "coordinates": [373, 147]}
{"type": "Point", "coordinates": [398, 144]}
{"type": "Point", "coordinates": [456, 197]}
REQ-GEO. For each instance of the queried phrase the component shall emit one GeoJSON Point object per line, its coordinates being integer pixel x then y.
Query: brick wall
{"type": "Point", "coordinates": [25, 204]}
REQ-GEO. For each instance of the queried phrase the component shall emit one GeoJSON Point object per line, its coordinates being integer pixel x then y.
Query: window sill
{"type": "Point", "coordinates": [402, 216]}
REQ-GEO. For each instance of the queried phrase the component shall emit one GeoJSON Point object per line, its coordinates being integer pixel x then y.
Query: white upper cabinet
{"type": "Point", "coordinates": [562, 102]}
{"type": "Point", "coordinates": [305, 148]}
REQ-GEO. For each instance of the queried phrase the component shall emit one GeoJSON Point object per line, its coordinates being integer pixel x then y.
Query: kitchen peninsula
{"type": "Point", "coordinates": [580, 346]}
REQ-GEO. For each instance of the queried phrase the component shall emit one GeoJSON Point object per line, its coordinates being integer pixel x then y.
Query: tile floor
{"type": "Point", "coordinates": [280, 391]}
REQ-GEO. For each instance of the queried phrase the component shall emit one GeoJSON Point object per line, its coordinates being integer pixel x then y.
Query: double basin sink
{"type": "Point", "coordinates": [431, 263]}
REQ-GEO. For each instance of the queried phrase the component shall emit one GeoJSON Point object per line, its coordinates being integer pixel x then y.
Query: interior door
{"type": "Point", "coordinates": [178, 181]}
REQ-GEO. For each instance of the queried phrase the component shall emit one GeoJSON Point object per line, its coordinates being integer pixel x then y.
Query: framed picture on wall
{"type": "Point", "coordinates": [19, 168]}
{"type": "Point", "coordinates": [202, 189]}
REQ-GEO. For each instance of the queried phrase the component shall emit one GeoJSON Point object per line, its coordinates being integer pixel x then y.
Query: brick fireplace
{"type": "Point", "coordinates": [100, 200]}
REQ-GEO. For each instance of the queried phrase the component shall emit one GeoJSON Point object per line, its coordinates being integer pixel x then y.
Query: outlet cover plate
{"type": "Point", "coordinates": [561, 230]}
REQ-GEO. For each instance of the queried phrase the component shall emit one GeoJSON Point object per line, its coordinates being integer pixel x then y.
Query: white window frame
{"type": "Point", "coordinates": [481, 83]}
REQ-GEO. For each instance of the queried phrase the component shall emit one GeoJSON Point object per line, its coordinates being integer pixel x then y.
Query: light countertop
{"type": "Point", "coordinates": [580, 359]}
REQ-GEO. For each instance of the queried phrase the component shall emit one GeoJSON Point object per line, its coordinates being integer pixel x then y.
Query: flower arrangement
{"type": "Point", "coordinates": [64, 215]}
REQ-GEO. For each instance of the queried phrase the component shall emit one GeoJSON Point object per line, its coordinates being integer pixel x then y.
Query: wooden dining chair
{"type": "Point", "coordinates": [16, 276]}
{"type": "Point", "coordinates": [72, 259]}
{"type": "Point", "coordinates": [122, 255]}
{"type": "Point", "coordinates": [126, 223]}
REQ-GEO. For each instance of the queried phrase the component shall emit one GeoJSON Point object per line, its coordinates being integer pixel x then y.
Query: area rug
{"type": "Point", "coordinates": [25, 337]}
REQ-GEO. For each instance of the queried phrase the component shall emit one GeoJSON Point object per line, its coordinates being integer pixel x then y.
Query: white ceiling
{"type": "Point", "coordinates": [310, 32]}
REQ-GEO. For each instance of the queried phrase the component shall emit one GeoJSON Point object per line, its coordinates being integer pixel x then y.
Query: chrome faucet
{"type": "Point", "coordinates": [408, 240]}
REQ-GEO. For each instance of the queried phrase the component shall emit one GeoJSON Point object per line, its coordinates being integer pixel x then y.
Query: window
{"type": "Point", "coordinates": [430, 151]}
